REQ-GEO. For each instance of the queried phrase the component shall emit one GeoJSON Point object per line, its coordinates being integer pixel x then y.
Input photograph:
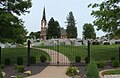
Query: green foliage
{"type": "Point", "coordinates": [71, 71]}
{"type": "Point", "coordinates": [10, 22]}
{"type": "Point", "coordinates": [88, 31]}
{"type": "Point", "coordinates": [43, 58]}
{"type": "Point", "coordinates": [115, 63]}
{"type": "Point", "coordinates": [92, 70]}
{"type": "Point", "coordinates": [33, 60]}
{"type": "Point", "coordinates": [19, 61]}
{"type": "Point", "coordinates": [86, 60]}
{"type": "Point", "coordinates": [113, 58]}
{"type": "Point", "coordinates": [20, 69]}
{"type": "Point", "coordinates": [71, 28]}
{"type": "Point", "coordinates": [53, 30]}
{"type": "Point", "coordinates": [77, 59]}
{"type": "Point", "coordinates": [7, 61]}
{"type": "Point", "coordinates": [34, 34]}
{"type": "Point", "coordinates": [2, 66]}
{"type": "Point", "coordinates": [1, 75]}
{"type": "Point", "coordinates": [107, 16]}
{"type": "Point", "coordinates": [100, 64]}
{"type": "Point", "coordinates": [19, 76]}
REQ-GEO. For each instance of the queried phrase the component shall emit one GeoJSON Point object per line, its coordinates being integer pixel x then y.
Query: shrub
{"type": "Point", "coordinates": [100, 65]}
{"type": "Point", "coordinates": [95, 43]}
{"type": "Point", "coordinates": [113, 58]}
{"type": "Point", "coordinates": [92, 70]}
{"type": "Point", "coordinates": [20, 69]}
{"type": "Point", "coordinates": [19, 61]}
{"type": "Point", "coordinates": [77, 59]}
{"type": "Point", "coordinates": [7, 61]}
{"type": "Point", "coordinates": [86, 60]}
{"type": "Point", "coordinates": [2, 66]}
{"type": "Point", "coordinates": [32, 60]}
{"type": "Point", "coordinates": [1, 75]}
{"type": "Point", "coordinates": [115, 63]}
{"type": "Point", "coordinates": [43, 58]}
{"type": "Point", "coordinates": [19, 76]}
{"type": "Point", "coordinates": [71, 71]}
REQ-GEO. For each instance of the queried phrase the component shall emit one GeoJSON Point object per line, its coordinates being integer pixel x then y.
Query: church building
{"type": "Point", "coordinates": [44, 26]}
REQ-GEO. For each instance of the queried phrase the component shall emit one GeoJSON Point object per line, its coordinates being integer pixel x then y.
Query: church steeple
{"type": "Point", "coordinates": [44, 15]}
{"type": "Point", "coordinates": [43, 26]}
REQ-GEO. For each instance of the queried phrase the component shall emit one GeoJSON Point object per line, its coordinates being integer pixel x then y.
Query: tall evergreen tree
{"type": "Point", "coordinates": [11, 27]}
{"type": "Point", "coordinates": [71, 28]}
{"type": "Point", "coordinates": [88, 31]}
{"type": "Point", "coordinates": [53, 30]}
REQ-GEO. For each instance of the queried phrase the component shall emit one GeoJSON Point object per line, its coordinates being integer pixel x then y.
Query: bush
{"type": "Point", "coordinates": [19, 61]}
{"type": "Point", "coordinates": [71, 71]}
{"type": "Point", "coordinates": [32, 60]}
{"type": "Point", "coordinates": [113, 58]}
{"type": "Point", "coordinates": [100, 65]}
{"type": "Point", "coordinates": [7, 61]}
{"type": "Point", "coordinates": [92, 70]}
{"type": "Point", "coordinates": [95, 43]}
{"type": "Point", "coordinates": [1, 75]}
{"type": "Point", "coordinates": [115, 63]}
{"type": "Point", "coordinates": [77, 59]}
{"type": "Point", "coordinates": [86, 60]}
{"type": "Point", "coordinates": [43, 58]}
{"type": "Point", "coordinates": [20, 69]}
{"type": "Point", "coordinates": [2, 66]}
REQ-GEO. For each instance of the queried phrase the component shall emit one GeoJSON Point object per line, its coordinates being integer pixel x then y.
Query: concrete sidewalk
{"type": "Point", "coordinates": [52, 72]}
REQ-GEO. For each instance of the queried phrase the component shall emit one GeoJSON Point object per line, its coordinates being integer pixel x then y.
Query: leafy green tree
{"type": "Point", "coordinates": [71, 28]}
{"type": "Point", "coordinates": [53, 30]}
{"type": "Point", "coordinates": [11, 27]}
{"type": "Point", "coordinates": [107, 16]}
{"type": "Point", "coordinates": [34, 34]}
{"type": "Point", "coordinates": [92, 70]}
{"type": "Point", "coordinates": [88, 31]}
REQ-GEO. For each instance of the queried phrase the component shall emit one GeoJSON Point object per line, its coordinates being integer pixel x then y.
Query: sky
{"type": "Point", "coordinates": [59, 9]}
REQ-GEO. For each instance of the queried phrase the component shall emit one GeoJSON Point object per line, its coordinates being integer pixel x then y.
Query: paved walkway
{"type": "Point", "coordinates": [53, 71]}
{"type": "Point", "coordinates": [109, 76]}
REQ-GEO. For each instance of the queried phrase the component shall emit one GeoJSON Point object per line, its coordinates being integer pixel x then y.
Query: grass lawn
{"type": "Point", "coordinates": [112, 72]}
{"type": "Point", "coordinates": [98, 52]}
{"type": "Point", "coordinates": [13, 53]}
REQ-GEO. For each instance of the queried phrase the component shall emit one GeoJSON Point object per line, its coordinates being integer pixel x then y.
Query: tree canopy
{"type": "Point", "coordinates": [107, 16]}
{"type": "Point", "coordinates": [12, 28]}
{"type": "Point", "coordinates": [53, 30]}
{"type": "Point", "coordinates": [35, 34]}
{"type": "Point", "coordinates": [71, 28]}
{"type": "Point", "coordinates": [88, 31]}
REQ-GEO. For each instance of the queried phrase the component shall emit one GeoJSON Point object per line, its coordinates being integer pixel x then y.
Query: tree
{"type": "Point", "coordinates": [88, 31]}
{"type": "Point", "coordinates": [53, 30]}
{"type": "Point", "coordinates": [71, 29]}
{"type": "Point", "coordinates": [9, 21]}
{"type": "Point", "coordinates": [34, 34]}
{"type": "Point", "coordinates": [92, 70]}
{"type": "Point", "coordinates": [107, 16]}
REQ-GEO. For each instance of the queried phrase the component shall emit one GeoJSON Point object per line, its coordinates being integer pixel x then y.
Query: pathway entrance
{"type": "Point", "coordinates": [53, 71]}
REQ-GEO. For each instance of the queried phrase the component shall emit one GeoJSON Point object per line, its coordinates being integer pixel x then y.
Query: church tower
{"type": "Point", "coordinates": [43, 26]}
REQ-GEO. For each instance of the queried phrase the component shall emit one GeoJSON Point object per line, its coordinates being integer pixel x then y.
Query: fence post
{"type": "Point", "coordinates": [0, 55]}
{"type": "Point", "coordinates": [88, 51]}
{"type": "Point", "coordinates": [119, 54]}
{"type": "Point", "coordinates": [28, 54]}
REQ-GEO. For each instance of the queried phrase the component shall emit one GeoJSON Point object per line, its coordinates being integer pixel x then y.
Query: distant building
{"type": "Point", "coordinates": [43, 26]}
{"type": "Point", "coordinates": [63, 33]}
